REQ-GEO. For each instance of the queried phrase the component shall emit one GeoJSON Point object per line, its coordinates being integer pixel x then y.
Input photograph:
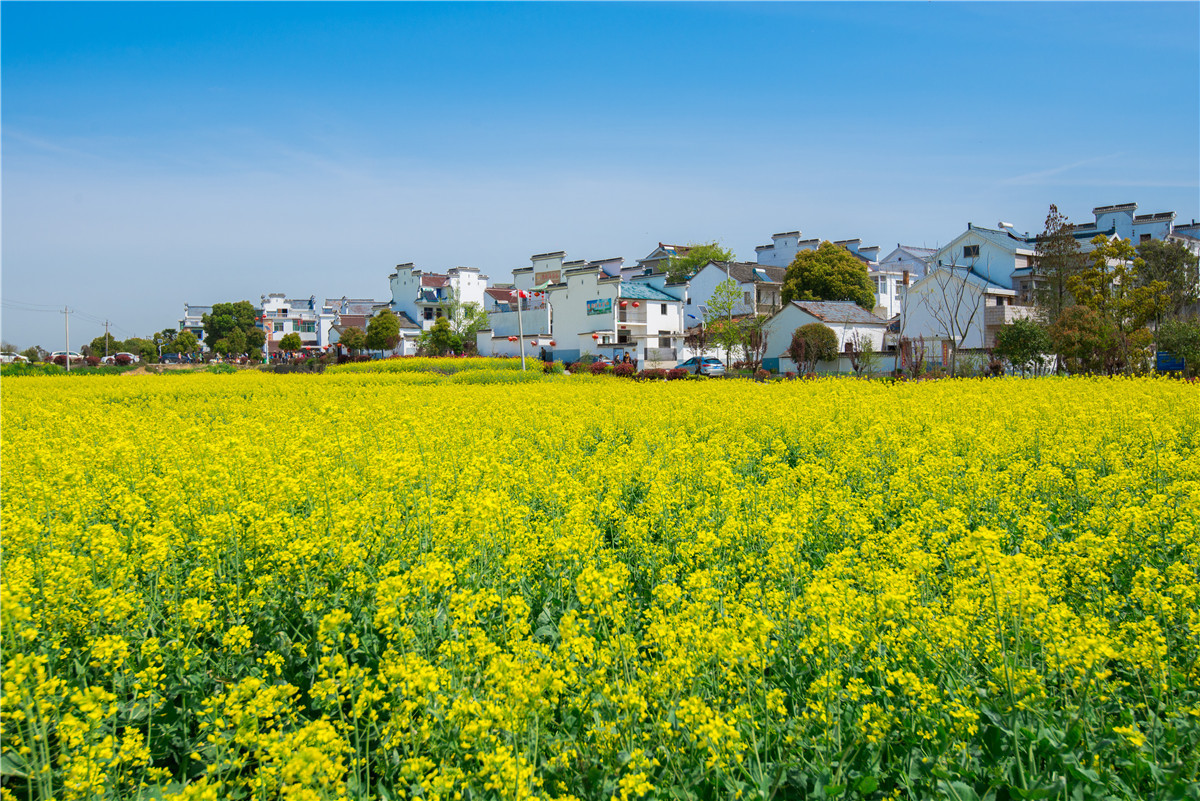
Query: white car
{"type": "Point", "coordinates": [10, 358]}
{"type": "Point", "coordinates": [75, 357]}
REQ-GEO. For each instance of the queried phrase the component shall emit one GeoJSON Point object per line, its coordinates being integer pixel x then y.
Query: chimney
{"type": "Point", "coordinates": [906, 277]}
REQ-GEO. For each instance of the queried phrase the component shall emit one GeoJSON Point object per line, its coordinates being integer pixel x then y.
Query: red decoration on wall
{"type": "Point", "coordinates": [636, 304]}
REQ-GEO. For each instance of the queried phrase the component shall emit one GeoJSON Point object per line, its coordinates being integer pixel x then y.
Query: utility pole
{"type": "Point", "coordinates": [66, 313]}
{"type": "Point", "coordinates": [106, 339]}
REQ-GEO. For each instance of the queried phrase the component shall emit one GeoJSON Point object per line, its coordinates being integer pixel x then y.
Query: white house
{"type": "Point", "coordinates": [571, 308]}
{"type": "Point", "coordinates": [893, 275]}
{"type": "Point", "coordinates": [852, 324]}
{"type": "Point", "coordinates": [193, 320]}
{"type": "Point", "coordinates": [423, 296]}
{"type": "Point", "coordinates": [280, 316]}
{"type": "Point", "coordinates": [957, 306]}
{"type": "Point", "coordinates": [760, 287]}
{"type": "Point", "coordinates": [785, 246]}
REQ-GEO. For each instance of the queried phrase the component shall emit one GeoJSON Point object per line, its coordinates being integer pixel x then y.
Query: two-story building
{"type": "Point", "coordinates": [567, 309]}
{"type": "Point", "coordinates": [894, 274]}
{"type": "Point", "coordinates": [279, 315]}
{"type": "Point", "coordinates": [424, 297]}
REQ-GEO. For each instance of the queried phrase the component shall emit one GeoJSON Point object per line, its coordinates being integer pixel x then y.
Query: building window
{"type": "Point", "coordinates": [662, 307]}
{"type": "Point", "coordinates": [749, 298]}
{"type": "Point", "coordinates": [1146, 237]}
{"type": "Point", "coordinates": [664, 339]}
{"type": "Point", "coordinates": [308, 328]}
{"type": "Point", "coordinates": [428, 313]}
{"type": "Point", "coordinates": [970, 251]}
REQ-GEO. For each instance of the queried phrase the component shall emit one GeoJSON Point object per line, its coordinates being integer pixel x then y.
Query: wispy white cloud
{"type": "Point", "coordinates": [1042, 177]}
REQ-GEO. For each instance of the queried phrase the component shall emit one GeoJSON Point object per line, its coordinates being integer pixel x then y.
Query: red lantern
{"type": "Point", "coordinates": [595, 336]}
{"type": "Point", "coordinates": [552, 343]}
{"type": "Point", "coordinates": [623, 304]}
{"type": "Point", "coordinates": [512, 339]}
{"type": "Point", "coordinates": [636, 304]}
{"type": "Point", "coordinates": [534, 343]}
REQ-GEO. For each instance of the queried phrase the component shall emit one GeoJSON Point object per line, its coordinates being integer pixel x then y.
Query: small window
{"type": "Point", "coordinates": [662, 308]}
{"type": "Point", "coordinates": [970, 251]}
{"type": "Point", "coordinates": [664, 339]}
{"type": "Point", "coordinates": [428, 314]}
{"type": "Point", "coordinates": [1146, 238]}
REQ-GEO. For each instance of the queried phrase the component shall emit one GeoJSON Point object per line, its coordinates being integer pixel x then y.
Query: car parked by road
{"type": "Point", "coordinates": [709, 366]}
{"type": "Point", "coordinates": [12, 358]}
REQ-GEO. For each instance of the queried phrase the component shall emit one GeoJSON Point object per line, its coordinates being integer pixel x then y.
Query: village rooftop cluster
{"type": "Point", "coordinates": [559, 309]}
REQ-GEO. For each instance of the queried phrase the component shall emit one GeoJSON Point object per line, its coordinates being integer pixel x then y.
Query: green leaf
{"type": "Point", "coordinates": [867, 784]}
{"type": "Point", "coordinates": [958, 791]}
{"type": "Point", "coordinates": [13, 764]}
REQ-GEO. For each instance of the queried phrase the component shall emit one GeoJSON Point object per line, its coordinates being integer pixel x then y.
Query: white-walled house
{"type": "Point", "coordinates": [423, 296]}
{"type": "Point", "coordinates": [850, 322]}
{"type": "Point", "coordinates": [280, 316]}
{"type": "Point", "coordinates": [585, 310]}
{"type": "Point", "coordinates": [957, 306]}
{"type": "Point", "coordinates": [193, 320]}
{"type": "Point", "coordinates": [894, 274]}
{"type": "Point", "coordinates": [786, 245]}
{"type": "Point", "coordinates": [760, 287]}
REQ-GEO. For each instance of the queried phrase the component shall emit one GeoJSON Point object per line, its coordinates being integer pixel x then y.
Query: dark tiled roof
{"type": "Point", "coordinates": [1162, 215]}
{"type": "Point", "coordinates": [434, 280]}
{"type": "Point", "coordinates": [1117, 207]}
{"type": "Point", "coordinates": [838, 311]}
{"type": "Point", "coordinates": [745, 272]}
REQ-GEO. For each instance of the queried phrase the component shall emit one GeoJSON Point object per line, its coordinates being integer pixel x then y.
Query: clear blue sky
{"type": "Point", "coordinates": [156, 154]}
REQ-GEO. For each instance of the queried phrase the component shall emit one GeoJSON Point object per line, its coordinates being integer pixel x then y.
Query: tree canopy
{"type": "Point", "coordinates": [291, 343]}
{"type": "Point", "coordinates": [225, 319]}
{"type": "Point", "coordinates": [681, 268]}
{"type": "Point", "coordinates": [828, 273]}
{"type": "Point", "coordinates": [1058, 261]}
{"type": "Point", "coordinates": [1176, 267]}
{"type": "Point", "coordinates": [440, 340]}
{"type": "Point", "coordinates": [383, 331]}
{"type": "Point", "coordinates": [353, 339]}
{"type": "Point", "coordinates": [1022, 342]}
{"type": "Point", "coordinates": [810, 344]}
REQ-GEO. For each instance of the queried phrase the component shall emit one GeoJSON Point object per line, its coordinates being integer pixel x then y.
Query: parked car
{"type": "Point", "coordinates": [130, 358]}
{"type": "Point", "coordinates": [74, 357]}
{"type": "Point", "coordinates": [10, 358]}
{"type": "Point", "coordinates": [710, 366]}
{"type": "Point", "coordinates": [108, 359]}
{"type": "Point", "coordinates": [607, 362]}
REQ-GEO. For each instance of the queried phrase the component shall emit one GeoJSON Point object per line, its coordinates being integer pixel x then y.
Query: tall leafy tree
{"type": "Point", "coordinates": [291, 344]}
{"type": "Point", "coordinates": [226, 318]}
{"type": "Point", "coordinates": [1022, 342]}
{"type": "Point", "coordinates": [1058, 260]}
{"type": "Point", "coordinates": [353, 339]}
{"type": "Point", "coordinates": [383, 331]}
{"type": "Point", "coordinates": [1108, 286]}
{"type": "Point", "coordinates": [681, 268]}
{"type": "Point", "coordinates": [106, 345]}
{"type": "Point", "coordinates": [810, 344]}
{"type": "Point", "coordinates": [828, 273]}
{"type": "Point", "coordinates": [1176, 267]}
{"type": "Point", "coordinates": [440, 340]}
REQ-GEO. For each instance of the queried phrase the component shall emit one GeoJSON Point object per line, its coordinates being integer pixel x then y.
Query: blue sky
{"type": "Point", "coordinates": [157, 154]}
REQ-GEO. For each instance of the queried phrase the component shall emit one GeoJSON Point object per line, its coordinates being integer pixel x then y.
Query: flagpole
{"type": "Point", "coordinates": [521, 330]}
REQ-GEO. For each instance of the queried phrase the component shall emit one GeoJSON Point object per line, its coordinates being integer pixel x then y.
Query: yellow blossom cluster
{"type": "Point", "coordinates": [367, 585]}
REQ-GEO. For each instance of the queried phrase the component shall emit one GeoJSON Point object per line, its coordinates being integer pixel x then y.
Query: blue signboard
{"type": "Point", "coordinates": [601, 306]}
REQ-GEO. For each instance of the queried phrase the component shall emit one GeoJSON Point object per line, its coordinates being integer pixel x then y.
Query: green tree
{"type": "Point", "coordinates": [34, 354]}
{"type": "Point", "coordinates": [165, 340]}
{"type": "Point", "coordinates": [682, 267]}
{"type": "Point", "coordinates": [353, 339]}
{"type": "Point", "coordinates": [1175, 266]}
{"type": "Point", "coordinates": [1108, 286]}
{"type": "Point", "coordinates": [1085, 340]}
{"type": "Point", "coordinates": [718, 317]}
{"type": "Point", "coordinates": [185, 342]}
{"type": "Point", "coordinates": [291, 344]}
{"type": "Point", "coordinates": [828, 273]}
{"type": "Point", "coordinates": [466, 319]}
{"type": "Point", "coordinates": [440, 340]}
{"type": "Point", "coordinates": [383, 331]}
{"type": "Point", "coordinates": [1022, 342]}
{"type": "Point", "coordinates": [810, 344]}
{"type": "Point", "coordinates": [228, 317]}
{"type": "Point", "coordinates": [144, 349]}
{"type": "Point", "coordinates": [106, 345]}
{"type": "Point", "coordinates": [1057, 261]}
{"type": "Point", "coordinates": [1181, 338]}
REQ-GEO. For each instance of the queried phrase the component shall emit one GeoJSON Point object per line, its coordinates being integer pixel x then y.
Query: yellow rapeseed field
{"type": "Point", "coordinates": [373, 586]}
